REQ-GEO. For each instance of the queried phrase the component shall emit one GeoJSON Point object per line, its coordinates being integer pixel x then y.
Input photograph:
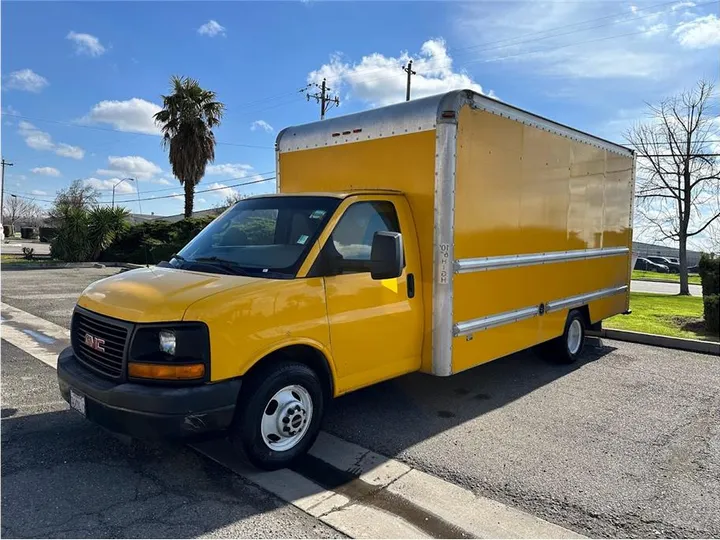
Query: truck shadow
{"type": "Point", "coordinates": [96, 485]}
{"type": "Point", "coordinates": [396, 415]}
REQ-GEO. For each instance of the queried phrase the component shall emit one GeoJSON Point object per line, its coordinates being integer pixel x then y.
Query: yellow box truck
{"type": "Point", "coordinates": [433, 235]}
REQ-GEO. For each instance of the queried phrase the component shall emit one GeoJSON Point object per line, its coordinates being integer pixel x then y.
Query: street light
{"type": "Point", "coordinates": [116, 185]}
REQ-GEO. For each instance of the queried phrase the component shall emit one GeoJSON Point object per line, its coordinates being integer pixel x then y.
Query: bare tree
{"type": "Point", "coordinates": [77, 195]}
{"type": "Point", "coordinates": [23, 211]}
{"type": "Point", "coordinates": [678, 182]}
{"type": "Point", "coordinates": [230, 200]}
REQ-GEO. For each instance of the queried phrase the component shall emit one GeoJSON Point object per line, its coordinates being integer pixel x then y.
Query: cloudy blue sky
{"type": "Point", "coordinates": [80, 81]}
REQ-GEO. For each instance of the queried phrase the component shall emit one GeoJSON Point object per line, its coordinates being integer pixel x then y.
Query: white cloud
{"type": "Point", "coordinates": [377, 79]}
{"type": "Point", "coordinates": [38, 192]}
{"type": "Point", "coordinates": [681, 5]}
{"type": "Point", "coordinates": [222, 190]}
{"type": "Point", "coordinates": [236, 170]}
{"type": "Point", "coordinates": [46, 171]}
{"type": "Point", "coordinates": [41, 140]}
{"type": "Point", "coordinates": [211, 28]}
{"type": "Point", "coordinates": [178, 196]}
{"type": "Point", "coordinates": [67, 150]}
{"type": "Point", "coordinates": [86, 44]}
{"type": "Point", "coordinates": [130, 166]}
{"type": "Point", "coordinates": [699, 33]}
{"type": "Point", "coordinates": [10, 110]}
{"type": "Point", "coordinates": [107, 185]}
{"type": "Point", "coordinates": [200, 200]}
{"type": "Point", "coordinates": [133, 115]}
{"type": "Point", "coordinates": [261, 124]}
{"type": "Point", "coordinates": [162, 181]}
{"type": "Point", "coordinates": [532, 38]}
{"type": "Point", "coordinates": [27, 80]}
{"type": "Point", "coordinates": [654, 29]}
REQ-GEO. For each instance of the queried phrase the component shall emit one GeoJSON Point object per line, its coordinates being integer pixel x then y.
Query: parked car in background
{"type": "Point", "coordinates": [673, 267]}
{"type": "Point", "coordinates": [645, 264]}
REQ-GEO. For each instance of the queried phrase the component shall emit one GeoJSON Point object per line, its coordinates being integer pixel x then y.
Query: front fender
{"type": "Point", "coordinates": [248, 323]}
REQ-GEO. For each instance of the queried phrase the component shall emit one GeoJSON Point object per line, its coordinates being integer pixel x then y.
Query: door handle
{"type": "Point", "coordinates": [411, 285]}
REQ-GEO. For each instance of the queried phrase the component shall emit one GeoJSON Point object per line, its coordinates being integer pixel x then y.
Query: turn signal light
{"type": "Point", "coordinates": [166, 372]}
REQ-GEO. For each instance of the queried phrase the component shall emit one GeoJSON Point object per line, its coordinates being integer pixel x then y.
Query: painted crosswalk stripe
{"type": "Point", "coordinates": [373, 496]}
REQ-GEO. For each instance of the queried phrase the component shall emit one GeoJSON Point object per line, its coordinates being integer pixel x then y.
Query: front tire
{"type": "Point", "coordinates": [279, 416]}
{"type": "Point", "coordinates": [567, 348]}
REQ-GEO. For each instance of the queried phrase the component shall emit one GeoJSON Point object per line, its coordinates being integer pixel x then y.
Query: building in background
{"type": "Point", "coordinates": [641, 249]}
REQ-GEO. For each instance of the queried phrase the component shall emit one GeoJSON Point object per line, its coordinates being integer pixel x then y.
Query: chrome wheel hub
{"type": "Point", "coordinates": [286, 418]}
{"type": "Point", "coordinates": [574, 337]}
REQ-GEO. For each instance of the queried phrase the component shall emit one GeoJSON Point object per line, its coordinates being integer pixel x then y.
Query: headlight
{"type": "Point", "coordinates": [170, 352]}
{"type": "Point", "coordinates": [167, 341]}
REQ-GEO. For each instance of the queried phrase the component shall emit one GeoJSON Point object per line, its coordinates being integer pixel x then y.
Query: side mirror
{"type": "Point", "coordinates": [386, 255]}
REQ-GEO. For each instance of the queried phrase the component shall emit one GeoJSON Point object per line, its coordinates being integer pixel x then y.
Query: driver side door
{"type": "Point", "coordinates": [375, 325]}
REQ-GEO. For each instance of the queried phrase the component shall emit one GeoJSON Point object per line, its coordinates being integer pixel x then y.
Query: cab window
{"type": "Point", "coordinates": [347, 251]}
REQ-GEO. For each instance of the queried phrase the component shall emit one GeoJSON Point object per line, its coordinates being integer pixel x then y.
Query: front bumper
{"type": "Point", "coordinates": [149, 412]}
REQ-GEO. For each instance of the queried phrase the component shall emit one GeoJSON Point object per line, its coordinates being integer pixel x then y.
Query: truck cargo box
{"type": "Point", "coordinates": [519, 219]}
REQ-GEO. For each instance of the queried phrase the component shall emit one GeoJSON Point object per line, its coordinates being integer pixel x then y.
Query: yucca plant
{"type": "Point", "coordinates": [104, 226]}
{"type": "Point", "coordinates": [71, 244]}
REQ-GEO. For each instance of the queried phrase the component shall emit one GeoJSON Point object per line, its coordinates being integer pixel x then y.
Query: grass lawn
{"type": "Point", "coordinates": [642, 274]}
{"type": "Point", "coordinates": [9, 258]}
{"type": "Point", "coordinates": [676, 316]}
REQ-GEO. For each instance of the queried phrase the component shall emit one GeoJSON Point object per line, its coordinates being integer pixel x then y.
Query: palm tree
{"type": "Point", "coordinates": [188, 115]}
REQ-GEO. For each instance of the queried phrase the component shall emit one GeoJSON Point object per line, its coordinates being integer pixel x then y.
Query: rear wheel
{"type": "Point", "coordinates": [567, 348]}
{"type": "Point", "coordinates": [279, 416]}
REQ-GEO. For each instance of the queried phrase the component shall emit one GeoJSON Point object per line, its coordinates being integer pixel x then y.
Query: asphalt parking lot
{"type": "Point", "coordinates": [625, 443]}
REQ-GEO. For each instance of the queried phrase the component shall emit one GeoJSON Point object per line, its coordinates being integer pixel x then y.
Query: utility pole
{"type": "Point", "coordinates": [2, 185]}
{"type": "Point", "coordinates": [408, 69]}
{"type": "Point", "coordinates": [322, 98]}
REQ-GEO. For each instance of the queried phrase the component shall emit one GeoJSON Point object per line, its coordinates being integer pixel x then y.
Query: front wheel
{"type": "Point", "coordinates": [567, 348]}
{"type": "Point", "coordinates": [279, 417]}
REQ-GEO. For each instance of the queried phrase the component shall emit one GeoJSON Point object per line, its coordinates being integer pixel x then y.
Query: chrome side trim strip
{"type": "Point", "coordinates": [582, 299]}
{"type": "Point", "coordinates": [464, 266]}
{"type": "Point", "coordinates": [465, 328]}
{"type": "Point", "coordinates": [491, 321]}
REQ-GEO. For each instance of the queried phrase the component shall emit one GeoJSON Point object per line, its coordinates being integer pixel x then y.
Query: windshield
{"type": "Point", "coordinates": [267, 237]}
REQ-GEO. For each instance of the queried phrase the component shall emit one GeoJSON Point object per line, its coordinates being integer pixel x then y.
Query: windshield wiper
{"type": "Point", "coordinates": [230, 266]}
{"type": "Point", "coordinates": [178, 257]}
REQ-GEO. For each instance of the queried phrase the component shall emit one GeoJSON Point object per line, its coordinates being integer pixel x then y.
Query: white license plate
{"type": "Point", "coordinates": [77, 402]}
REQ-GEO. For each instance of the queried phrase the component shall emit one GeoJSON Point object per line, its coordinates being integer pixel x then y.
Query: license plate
{"type": "Point", "coordinates": [77, 402]}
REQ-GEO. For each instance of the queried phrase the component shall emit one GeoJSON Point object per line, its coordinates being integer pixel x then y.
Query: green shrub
{"type": "Point", "coordinates": [709, 270]}
{"type": "Point", "coordinates": [153, 241]}
{"type": "Point", "coordinates": [710, 278]}
{"type": "Point", "coordinates": [711, 312]}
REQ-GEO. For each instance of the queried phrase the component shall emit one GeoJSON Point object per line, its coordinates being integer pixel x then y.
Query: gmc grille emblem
{"type": "Point", "coordinates": [94, 342]}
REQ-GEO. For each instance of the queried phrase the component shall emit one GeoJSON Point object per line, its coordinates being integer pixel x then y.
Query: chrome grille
{"type": "Point", "coordinates": [104, 350]}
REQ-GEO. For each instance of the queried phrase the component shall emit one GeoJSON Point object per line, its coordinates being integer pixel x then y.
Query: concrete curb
{"type": "Point", "coordinates": [690, 345]}
{"type": "Point", "coordinates": [59, 265]}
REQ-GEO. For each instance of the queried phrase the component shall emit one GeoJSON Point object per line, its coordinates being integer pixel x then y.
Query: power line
{"type": "Point", "coordinates": [258, 181]}
{"type": "Point", "coordinates": [98, 128]}
{"type": "Point", "coordinates": [486, 44]}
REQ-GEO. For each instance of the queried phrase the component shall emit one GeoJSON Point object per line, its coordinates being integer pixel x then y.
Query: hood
{"type": "Point", "coordinates": [155, 294]}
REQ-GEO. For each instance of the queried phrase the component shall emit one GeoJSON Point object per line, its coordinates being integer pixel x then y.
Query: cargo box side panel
{"type": "Point", "coordinates": [405, 163]}
{"type": "Point", "coordinates": [525, 193]}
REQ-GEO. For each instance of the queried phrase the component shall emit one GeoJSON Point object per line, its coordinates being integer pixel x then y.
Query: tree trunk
{"type": "Point", "coordinates": [684, 287]}
{"type": "Point", "coordinates": [189, 197]}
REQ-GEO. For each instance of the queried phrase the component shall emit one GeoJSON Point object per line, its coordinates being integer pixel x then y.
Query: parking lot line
{"type": "Point", "coordinates": [358, 492]}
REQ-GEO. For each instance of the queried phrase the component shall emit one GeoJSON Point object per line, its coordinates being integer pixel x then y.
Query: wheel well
{"type": "Point", "coordinates": [585, 312]}
{"type": "Point", "coordinates": [302, 354]}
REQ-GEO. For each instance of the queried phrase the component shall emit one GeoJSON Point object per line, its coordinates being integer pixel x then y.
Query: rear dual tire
{"type": "Point", "coordinates": [567, 348]}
